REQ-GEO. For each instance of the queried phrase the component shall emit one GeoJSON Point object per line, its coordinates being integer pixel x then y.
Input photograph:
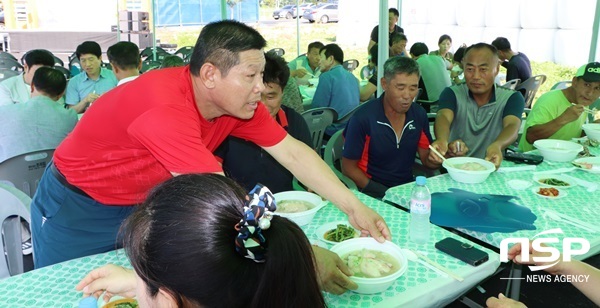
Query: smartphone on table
{"type": "Point", "coordinates": [462, 251]}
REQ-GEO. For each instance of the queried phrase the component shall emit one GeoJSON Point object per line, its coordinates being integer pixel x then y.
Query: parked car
{"type": "Point", "coordinates": [324, 13]}
{"type": "Point", "coordinates": [303, 7]}
{"type": "Point", "coordinates": [284, 12]}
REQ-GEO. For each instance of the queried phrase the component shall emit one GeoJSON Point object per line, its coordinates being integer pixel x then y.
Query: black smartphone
{"type": "Point", "coordinates": [519, 158]}
{"type": "Point", "coordinates": [462, 251]}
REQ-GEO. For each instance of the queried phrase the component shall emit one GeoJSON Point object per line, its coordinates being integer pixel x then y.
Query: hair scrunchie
{"type": "Point", "coordinates": [258, 211]}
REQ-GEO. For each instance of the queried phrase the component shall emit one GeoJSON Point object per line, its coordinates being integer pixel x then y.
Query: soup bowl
{"type": "Point", "coordinates": [301, 218]}
{"type": "Point", "coordinates": [592, 130]}
{"type": "Point", "coordinates": [558, 150]}
{"type": "Point", "coordinates": [455, 165]}
{"type": "Point", "coordinates": [379, 284]}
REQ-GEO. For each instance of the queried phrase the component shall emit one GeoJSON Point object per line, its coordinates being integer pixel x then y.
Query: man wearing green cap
{"type": "Point", "coordinates": [559, 114]}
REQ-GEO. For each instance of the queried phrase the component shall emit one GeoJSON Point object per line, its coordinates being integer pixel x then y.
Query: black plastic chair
{"type": "Point", "coordinates": [278, 51]}
{"type": "Point", "coordinates": [63, 70]}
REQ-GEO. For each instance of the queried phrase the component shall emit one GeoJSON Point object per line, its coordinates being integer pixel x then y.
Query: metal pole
{"type": "Point", "coordinates": [118, 23]}
{"type": "Point", "coordinates": [383, 42]}
{"type": "Point", "coordinates": [595, 28]}
{"type": "Point", "coordinates": [223, 9]}
{"type": "Point", "coordinates": [399, 7]}
{"type": "Point", "coordinates": [298, 27]}
{"type": "Point", "coordinates": [153, 30]}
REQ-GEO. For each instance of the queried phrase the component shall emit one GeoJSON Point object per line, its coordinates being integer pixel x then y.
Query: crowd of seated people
{"type": "Point", "coordinates": [205, 118]}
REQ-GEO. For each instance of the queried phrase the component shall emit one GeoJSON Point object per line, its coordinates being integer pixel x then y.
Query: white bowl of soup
{"type": "Point", "coordinates": [376, 266]}
{"type": "Point", "coordinates": [298, 206]}
{"type": "Point", "coordinates": [592, 130]}
{"type": "Point", "coordinates": [470, 170]}
{"type": "Point", "coordinates": [558, 150]}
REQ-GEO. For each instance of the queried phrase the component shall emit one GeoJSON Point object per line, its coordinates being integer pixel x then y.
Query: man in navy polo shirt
{"type": "Point", "coordinates": [384, 136]}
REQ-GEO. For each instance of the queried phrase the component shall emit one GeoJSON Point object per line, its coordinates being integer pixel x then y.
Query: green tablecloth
{"type": "Point", "coordinates": [578, 203]}
{"type": "Point", "coordinates": [54, 286]}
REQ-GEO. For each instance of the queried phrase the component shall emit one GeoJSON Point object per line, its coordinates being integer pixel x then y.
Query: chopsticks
{"type": "Point", "coordinates": [437, 153]}
{"type": "Point", "coordinates": [587, 110]}
{"type": "Point", "coordinates": [439, 266]}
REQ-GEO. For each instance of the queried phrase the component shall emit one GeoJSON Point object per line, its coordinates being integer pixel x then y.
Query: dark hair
{"type": "Point", "coordinates": [317, 45]}
{"type": "Point", "coordinates": [182, 240]}
{"type": "Point", "coordinates": [444, 37]}
{"type": "Point", "coordinates": [491, 48]}
{"type": "Point", "coordinates": [49, 81]}
{"type": "Point", "coordinates": [459, 54]}
{"type": "Point", "coordinates": [400, 65]}
{"type": "Point", "coordinates": [374, 53]}
{"type": "Point", "coordinates": [333, 50]}
{"type": "Point", "coordinates": [88, 47]}
{"type": "Point", "coordinates": [276, 70]}
{"type": "Point", "coordinates": [397, 37]}
{"type": "Point", "coordinates": [419, 48]}
{"type": "Point", "coordinates": [124, 55]}
{"type": "Point", "coordinates": [394, 11]}
{"type": "Point", "coordinates": [172, 61]}
{"type": "Point", "coordinates": [501, 43]}
{"type": "Point", "coordinates": [221, 42]}
{"type": "Point", "coordinates": [39, 57]}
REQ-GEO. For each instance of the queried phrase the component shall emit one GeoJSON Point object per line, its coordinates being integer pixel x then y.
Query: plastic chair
{"type": "Point", "coordinates": [74, 65]}
{"type": "Point", "coordinates": [148, 65]}
{"type": "Point", "coordinates": [511, 84]}
{"type": "Point", "coordinates": [58, 61]}
{"type": "Point", "coordinates": [333, 157]}
{"type": "Point", "coordinates": [366, 72]}
{"type": "Point", "coordinates": [561, 85]}
{"type": "Point", "coordinates": [6, 55]}
{"type": "Point", "coordinates": [14, 206]}
{"type": "Point", "coordinates": [147, 52]}
{"type": "Point", "coordinates": [63, 70]}
{"type": "Point", "coordinates": [11, 64]}
{"type": "Point", "coordinates": [25, 171]}
{"type": "Point", "coordinates": [7, 73]}
{"type": "Point", "coordinates": [106, 65]}
{"type": "Point", "coordinates": [185, 53]}
{"type": "Point", "coordinates": [348, 115]}
{"type": "Point", "coordinates": [317, 120]}
{"type": "Point", "coordinates": [530, 87]}
{"type": "Point", "coordinates": [278, 51]}
{"type": "Point", "coordinates": [351, 65]}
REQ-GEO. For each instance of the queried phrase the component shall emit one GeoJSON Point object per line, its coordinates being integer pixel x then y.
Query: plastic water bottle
{"type": "Point", "coordinates": [420, 210]}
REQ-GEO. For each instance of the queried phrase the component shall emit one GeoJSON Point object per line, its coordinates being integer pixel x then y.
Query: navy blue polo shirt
{"type": "Point", "coordinates": [384, 156]}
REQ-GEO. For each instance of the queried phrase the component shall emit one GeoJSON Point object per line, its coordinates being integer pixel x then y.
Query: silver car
{"type": "Point", "coordinates": [324, 13]}
{"type": "Point", "coordinates": [284, 12]}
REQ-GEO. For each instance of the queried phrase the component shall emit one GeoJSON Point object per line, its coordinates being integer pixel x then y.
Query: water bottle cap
{"type": "Point", "coordinates": [421, 180]}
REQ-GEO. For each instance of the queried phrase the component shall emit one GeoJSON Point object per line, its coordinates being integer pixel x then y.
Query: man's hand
{"type": "Point", "coordinates": [572, 113]}
{"type": "Point", "coordinates": [493, 154]}
{"type": "Point", "coordinates": [110, 280]}
{"type": "Point", "coordinates": [370, 223]}
{"type": "Point", "coordinates": [299, 73]}
{"type": "Point", "coordinates": [442, 147]}
{"type": "Point", "coordinates": [503, 302]}
{"type": "Point", "coordinates": [457, 148]}
{"type": "Point", "coordinates": [332, 272]}
{"type": "Point", "coordinates": [514, 254]}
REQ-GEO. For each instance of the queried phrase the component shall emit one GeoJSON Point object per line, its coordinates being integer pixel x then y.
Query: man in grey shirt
{"type": "Point", "coordinates": [39, 124]}
{"type": "Point", "coordinates": [480, 119]}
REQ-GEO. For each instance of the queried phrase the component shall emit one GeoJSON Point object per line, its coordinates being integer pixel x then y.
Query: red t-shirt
{"type": "Point", "coordinates": [133, 136]}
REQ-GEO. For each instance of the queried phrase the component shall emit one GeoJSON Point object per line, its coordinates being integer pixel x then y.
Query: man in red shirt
{"type": "Point", "coordinates": [164, 123]}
